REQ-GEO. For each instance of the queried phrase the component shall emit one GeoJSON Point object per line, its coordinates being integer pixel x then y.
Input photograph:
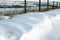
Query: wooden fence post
{"type": "Point", "coordinates": [53, 4]}
{"type": "Point", "coordinates": [47, 4]}
{"type": "Point", "coordinates": [57, 4]}
{"type": "Point", "coordinates": [25, 10]}
{"type": "Point", "coordinates": [39, 5]}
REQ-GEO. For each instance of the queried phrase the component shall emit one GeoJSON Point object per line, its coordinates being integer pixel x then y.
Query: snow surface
{"type": "Point", "coordinates": [31, 26]}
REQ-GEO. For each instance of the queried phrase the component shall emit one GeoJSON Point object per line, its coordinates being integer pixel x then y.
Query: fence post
{"type": "Point", "coordinates": [53, 4]}
{"type": "Point", "coordinates": [39, 5]}
{"type": "Point", "coordinates": [47, 4]}
{"type": "Point", "coordinates": [57, 4]}
{"type": "Point", "coordinates": [25, 10]}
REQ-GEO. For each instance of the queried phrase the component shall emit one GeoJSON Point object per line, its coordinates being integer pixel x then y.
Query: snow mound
{"type": "Point", "coordinates": [31, 26]}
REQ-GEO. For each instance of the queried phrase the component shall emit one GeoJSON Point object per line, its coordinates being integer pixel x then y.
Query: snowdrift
{"type": "Point", "coordinates": [31, 26]}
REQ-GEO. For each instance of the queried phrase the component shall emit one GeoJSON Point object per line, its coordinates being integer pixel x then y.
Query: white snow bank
{"type": "Point", "coordinates": [30, 26]}
{"type": "Point", "coordinates": [54, 34]}
{"type": "Point", "coordinates": [39, 30]}
{"type": "Point", "coordinates": [46, 30]}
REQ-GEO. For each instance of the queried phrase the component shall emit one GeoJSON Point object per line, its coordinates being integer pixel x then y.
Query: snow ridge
{"type": "Point", "coordinates": [29, 26]}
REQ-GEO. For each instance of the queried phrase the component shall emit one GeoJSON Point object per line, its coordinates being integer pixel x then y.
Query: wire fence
{"type": "Point", "coordinates": [18, 7]}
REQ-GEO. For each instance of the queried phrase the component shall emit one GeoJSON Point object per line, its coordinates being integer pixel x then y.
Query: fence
{"type": "Point", "coordinates": [48, 5]}
{"type": "Point", "coordinates": [27, 6]}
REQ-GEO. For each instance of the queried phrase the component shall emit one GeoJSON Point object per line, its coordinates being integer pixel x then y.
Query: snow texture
{"type": "Point", "coordinates": [31, 26]}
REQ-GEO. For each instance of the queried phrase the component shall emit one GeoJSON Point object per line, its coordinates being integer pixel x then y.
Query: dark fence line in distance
{"type": "Point", "coordinates": [53, 6]}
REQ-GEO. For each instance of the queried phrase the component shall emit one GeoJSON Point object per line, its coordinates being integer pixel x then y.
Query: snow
{"type": "Point", "coordinates": [31, 26]}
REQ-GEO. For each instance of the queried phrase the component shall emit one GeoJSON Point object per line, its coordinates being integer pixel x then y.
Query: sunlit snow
{"type": "Point", "coordinates": [31, 26]}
